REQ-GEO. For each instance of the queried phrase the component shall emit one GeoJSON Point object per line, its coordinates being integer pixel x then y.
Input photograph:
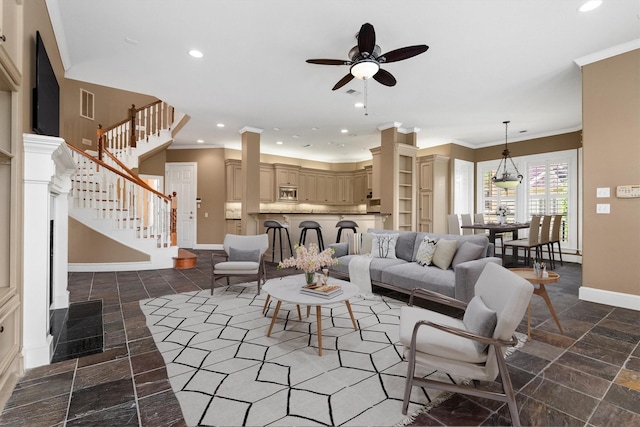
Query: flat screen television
{"type": "Point", "coordinates": [46, 94]}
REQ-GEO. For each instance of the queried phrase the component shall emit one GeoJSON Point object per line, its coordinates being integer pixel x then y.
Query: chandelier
{"type": "Point", "coordinates": [504, 178]}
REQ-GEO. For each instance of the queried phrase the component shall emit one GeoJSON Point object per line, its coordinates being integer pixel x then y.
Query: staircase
{"type": "Point", "coordinates": [108, 197]}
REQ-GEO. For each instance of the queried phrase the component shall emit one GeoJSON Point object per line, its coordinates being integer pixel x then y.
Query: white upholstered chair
{"type": "Point", "coordinates": [466, 220]}
{"type": "Point", "coordinates": [244, 257]}
{"type": "Point", "coordinates": [472, 347]}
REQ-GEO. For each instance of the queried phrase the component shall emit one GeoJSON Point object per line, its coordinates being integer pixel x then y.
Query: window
{"type": "Point", "coordinates": [549, 187]}
{"type": "Point", "coordinates": [86, 104]}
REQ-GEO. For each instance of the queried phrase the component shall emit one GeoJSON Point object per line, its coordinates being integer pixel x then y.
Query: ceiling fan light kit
{"type": "Point", "coordinates": [365, 69]}
{"type": "Point", "coordinates": [504, 178]}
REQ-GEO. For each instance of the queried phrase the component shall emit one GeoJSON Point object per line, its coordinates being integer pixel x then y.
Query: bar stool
{"type": "Point", "coordinates": [345, 224]}
{"type": "Point", "coordinates": [311, 225]}
{"type": "Point", "coordinates": [276, 226]}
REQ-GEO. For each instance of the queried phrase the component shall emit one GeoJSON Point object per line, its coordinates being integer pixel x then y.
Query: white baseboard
{"type": "Point", "coordinates": [208, 246]}
{"type": "Point", "coordinates": [616, 299]}
{"type": "Point", "coordinates": [111, 266]}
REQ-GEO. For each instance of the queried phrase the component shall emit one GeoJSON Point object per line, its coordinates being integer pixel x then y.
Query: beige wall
{"type": "Point", "coordinates": [611, 118]}
{"type": "Point", "coordinates": [211, 189]}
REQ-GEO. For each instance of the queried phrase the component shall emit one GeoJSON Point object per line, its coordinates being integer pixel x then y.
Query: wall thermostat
{"type": "Point", "coordinates": [627, 191]}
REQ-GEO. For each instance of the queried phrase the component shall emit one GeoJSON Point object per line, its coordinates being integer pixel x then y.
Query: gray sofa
{"type": "Point", "coordinates": [404, 273]}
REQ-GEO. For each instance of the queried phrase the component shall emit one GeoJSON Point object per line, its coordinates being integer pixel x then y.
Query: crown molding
{"type": "Point", "coordinates": [607, 53]}
{"type": "Point", "coordinates": [250, 129]}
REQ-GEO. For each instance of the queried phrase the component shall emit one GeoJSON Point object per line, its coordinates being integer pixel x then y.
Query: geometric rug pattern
{"type": "Point", "coordinates": [225, 371]}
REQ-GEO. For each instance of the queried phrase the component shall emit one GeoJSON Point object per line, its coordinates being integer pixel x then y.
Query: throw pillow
{"type": "Point", "coordinates": [384, 245]}
{"type": "Point", "coordinates": [425, 251]}
{"type": "Point", "coordinates": [481, 320]}
{"type": "Point", "coordinates": [355, 241]}
{"type": "Point", "coordinates": [366, 244]}
{"type": "Point", "coordinates": [236, 254]}
{"type": "Point", "coordinates": [445, 251]}
{"type": "Point", "coordinates": [466, 252]}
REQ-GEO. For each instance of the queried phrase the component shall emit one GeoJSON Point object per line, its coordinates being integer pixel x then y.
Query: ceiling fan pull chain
{"type": "Point", "coordinates": [366, 98]}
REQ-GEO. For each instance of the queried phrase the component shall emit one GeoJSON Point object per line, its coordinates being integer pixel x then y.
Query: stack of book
{"type": "Point", "coordinates": [322, 291]}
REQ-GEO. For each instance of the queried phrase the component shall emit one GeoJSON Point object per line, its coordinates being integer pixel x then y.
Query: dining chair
{"type": "Point", "coordinates": [244, 257]}
{"type": "Point", "coordinates": [545, 239]}
{"type": "Point", "coordinates": [555, 237]}
{"type": "Point", "coordinates": [528, 243]}
{"type": "Point", "coordinates": [466, 220]}
{"type": "Point", "coordinates": [478, 218]}
{"type": "Point", "coordinates": [453, 224]}
{"type": "Point", "coordinates": [472, 347]}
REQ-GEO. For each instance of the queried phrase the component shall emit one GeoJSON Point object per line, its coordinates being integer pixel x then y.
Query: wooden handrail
{"type": "Point", "coordinates": [116, 171]}
{"type": "Point", "coordinates": [129, 171]}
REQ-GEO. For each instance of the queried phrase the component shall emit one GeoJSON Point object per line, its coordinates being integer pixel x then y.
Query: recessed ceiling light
{"type": "Point", "coordinates": [195, 53]}
{"type": "Point", "coordinates": [314, 128]}
{"type": "Point", "coordinates": [276, 128]}
{"type": "Point", "coordinates": [220, 125]}
{"type": "Point", "coordinates": [344, 130]}
{"type": "Point", "coordinates": [130, 40]}
{"type": "Point", "coordinates": [590, 5]}
{"type": "Point", "coordinates": [200, 141]}
{"type": "Point", "coordinates": [279, 142]}
{"type": "Point", "coordinates": [359, 104]}
{"type": "Point", "coordinates": [295, 136]}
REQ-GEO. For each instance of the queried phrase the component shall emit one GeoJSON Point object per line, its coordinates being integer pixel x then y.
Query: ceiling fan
{"type": "Point", "coordinates": [366, 59]}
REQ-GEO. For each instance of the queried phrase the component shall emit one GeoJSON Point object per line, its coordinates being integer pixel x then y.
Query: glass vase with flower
{"type": "Point", "coordinates": [309, 260]}
{"type": "Point", "coordinates": [502, 213]}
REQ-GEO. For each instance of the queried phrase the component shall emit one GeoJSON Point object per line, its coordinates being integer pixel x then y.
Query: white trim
{"type": "Point", "coordinates": [250, 129]}
{"type": "Point", "coordinates": [389, 125]}
{"type": "Point", "coordinates": [55, 17]}
{"type": "Point", "coordinates": [607, 53]}
{"type": "Point", "coordinates": [111, 266]}
{"type": "Point", "coordinates": [208, 246]}
{"type": "Point", "coordinates": [616, 299]}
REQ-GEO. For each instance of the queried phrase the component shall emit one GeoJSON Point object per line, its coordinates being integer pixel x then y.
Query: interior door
{"type": "Point", "coordinates": [181, 178]}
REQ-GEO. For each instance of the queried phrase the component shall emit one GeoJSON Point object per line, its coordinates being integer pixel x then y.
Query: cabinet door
{"type": "Point", "coordinates": [234, 183]}
{"type": "Point", "coordinates": [267, 185]}
{"type": "Point", "coordinates": [426, 176]}
{"type": "Point", "coordinates": [326, 189]}
{"type": "Point", "coordinates": [360, 188]}
{"type": "Point", "coordinates": [344, 189]}
{"type": "Point", "coordinates": [287, 176]}
{"type": "Point", "coordinates": [307, 190]}
{"type": "Point", "coordinates": [425, 201]}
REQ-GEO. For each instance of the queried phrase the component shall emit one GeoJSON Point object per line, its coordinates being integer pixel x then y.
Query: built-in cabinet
{"type": "Point", "coordinates": [311, 185]}
{"type": "Point", "coordinates": [433, 193]}
{"type": "Point", "coordinates": [11, 188]}
{"type": "Point", "coordinates": [406, 176]}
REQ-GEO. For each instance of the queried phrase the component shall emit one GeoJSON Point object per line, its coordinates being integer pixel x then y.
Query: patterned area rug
{"type": "Point", "coordinates": [224, 370]}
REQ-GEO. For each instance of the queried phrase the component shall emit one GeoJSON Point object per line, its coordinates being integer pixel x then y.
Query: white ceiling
{"type": "Point", "coordinates": [488, 61]}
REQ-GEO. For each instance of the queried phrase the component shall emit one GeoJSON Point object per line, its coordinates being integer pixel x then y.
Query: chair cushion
{"type": "Point", "coordinates": [466, 252]}
{"type": "Point", "coordinates": [432, 341]}
{"type": "Point", "coordinates": [236, 254]}
{"type": "Point", "coordinates": [480, 319]}
{"type": "Point", "coordinates": [384, 245]}
{"type": "Point", "coordinates": [445, 251]}
{"type": "Point", "coordinates": [236, 267]}
{"type": "Point", "coordinates": [427, 248]}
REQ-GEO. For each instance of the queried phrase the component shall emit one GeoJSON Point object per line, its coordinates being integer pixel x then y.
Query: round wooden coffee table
{"type": "Point", "coordinates": [287, 289]}
{"type": "Point", "coordinates": [529, 275]}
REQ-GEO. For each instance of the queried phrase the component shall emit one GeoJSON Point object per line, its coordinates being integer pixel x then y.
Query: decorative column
{"type": "Point", "coordinates": [48, 166]}
{"type": "Point", "coordinates": [250, 179]}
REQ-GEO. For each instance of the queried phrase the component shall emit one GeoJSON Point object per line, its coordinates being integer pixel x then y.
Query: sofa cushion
{"type": "Point", "coordinates": [384, 245]}
{"type": "Point", "coordinates": [427, 248]}
{"type": "Point", "coordinates": [467, 252]}
{"type": "Point", "coordinates": [472, 238]}
{"type": "Point", "coordinates": [445, 251]}
{"type": "Point", "coordinates": [412, 275]}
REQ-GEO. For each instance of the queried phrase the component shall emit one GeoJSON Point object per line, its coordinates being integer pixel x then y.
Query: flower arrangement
{"type": "Point", "coordinates": [502, 211]}
{"type": "Point", "coordinates": [309, 260]}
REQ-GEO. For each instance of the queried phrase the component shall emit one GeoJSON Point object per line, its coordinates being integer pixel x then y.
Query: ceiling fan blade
{"type": "Point", "coordinates": [343, 81]}
{"type": "Point", "coordinates": [403, 53]}
{"type": "Point", "coordinates": [385, 77]}
{"type": "Point", "coordinates": [328, 61]}
{"type": "Point", "coordinates": [366, 39]}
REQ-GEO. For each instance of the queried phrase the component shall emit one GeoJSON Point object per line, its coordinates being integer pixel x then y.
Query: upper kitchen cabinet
{"type": "Point", "coordinates": [234, 180]}
{"type": "Point", "coordinates": [267, 183]}
{"type": "Point", "coordinates": [10, 44]}
{"type": "Point", "coordinates": [287, 175]}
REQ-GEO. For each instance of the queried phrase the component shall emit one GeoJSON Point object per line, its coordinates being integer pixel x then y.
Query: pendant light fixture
{"type": "Point", "coordinates": [504, 178]}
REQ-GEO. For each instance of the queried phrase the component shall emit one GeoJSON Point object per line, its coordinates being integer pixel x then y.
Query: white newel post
{"type": "Point", "coordinates": [48, 165]}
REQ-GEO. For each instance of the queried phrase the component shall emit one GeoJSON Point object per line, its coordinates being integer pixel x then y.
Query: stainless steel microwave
{"type": "Point", "coordinates": [288, 194]}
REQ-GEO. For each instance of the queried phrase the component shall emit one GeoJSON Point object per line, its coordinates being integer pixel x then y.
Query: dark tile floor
{"type": "Point", "coordinates": [77, 331]}
{"type": "Point", "coordinates": [587, 376]}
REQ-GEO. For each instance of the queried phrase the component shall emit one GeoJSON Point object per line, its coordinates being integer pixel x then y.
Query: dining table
{"type": "Point", "coordinates": [498, 228]}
